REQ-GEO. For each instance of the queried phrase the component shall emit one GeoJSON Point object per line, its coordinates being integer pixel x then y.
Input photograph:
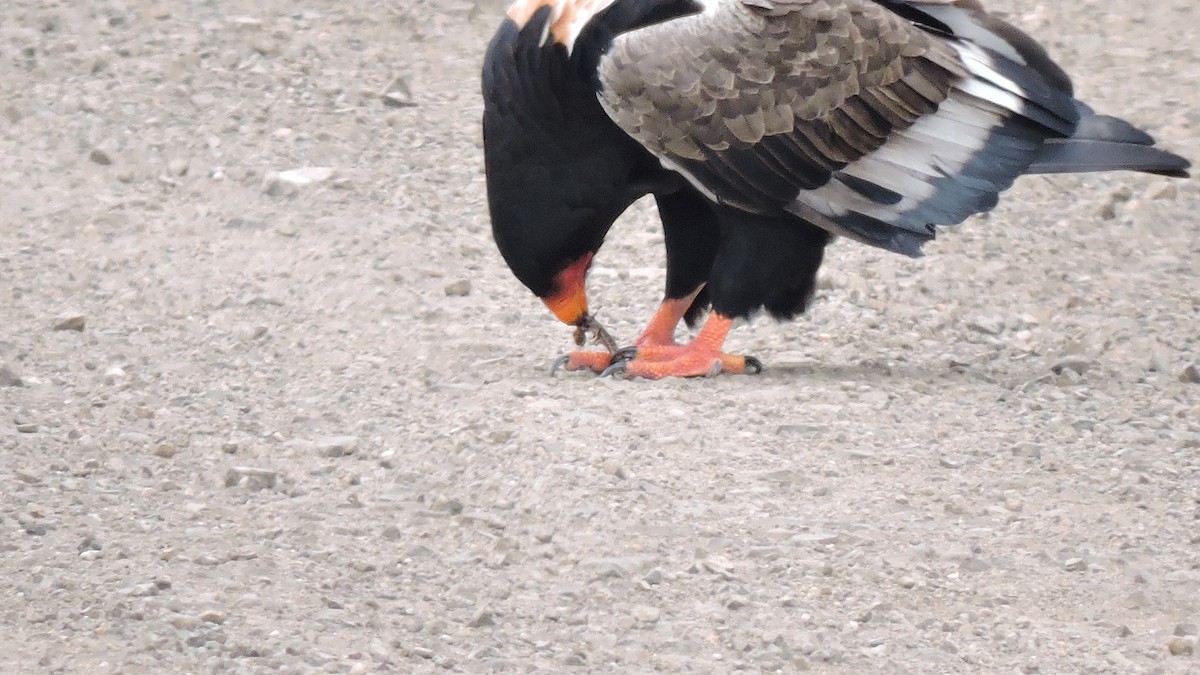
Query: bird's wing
{"type": "Point", "coordinates": [873, 119]}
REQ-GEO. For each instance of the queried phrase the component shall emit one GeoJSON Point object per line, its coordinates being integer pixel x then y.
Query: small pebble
{"type": "Point", "coordinates": [264, 45]}
{"type": "Point", "coordinates": [482, 618]}
{"type": "Point", "coordinates": [1075, 564]}
{"type": "Point", "coordinates": [949, 462]}
{"type": "Point", "coordinates": [459, 289]}
{"type": "Point", "coordinates": [986, 325]}
{"type": "Point", "coordinates": [336, 446]}
{"type": "Point", "coordinates": [1162, 189]}
{"type": "Point", "coordinates": [277, 183]}
{"type": "Point", "coordinates": [646, 614]}
{"type": "Point", "coordinates": [251, 478]}
{"type": "Point", "coordinates": [9, 377]}
{"type": "Point", "coordinates": [100, 157]}
{"type": "Point", "coordinates": [1181, 646]}
{"type": "Point", "coordinates": [397, 94]}
{"type": "Point", "coordinates": [736, 601]}
{"type": "Point", "coordinates": [156, 13]}
{"type": "Point", "coordinates": [1190, 374]}
{"type": "Point", "coordinates": [75, 322]}
{"type": "Point", "coordinates": [1077, 364]}
{"type": "Point", "coordinates": [177, 166]}
{"type": "Point", "coordinates": [615, 470]}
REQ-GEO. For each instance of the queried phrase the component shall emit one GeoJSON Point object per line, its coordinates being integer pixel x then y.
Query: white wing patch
{"type": "Point", "coordinates": [939, 145]}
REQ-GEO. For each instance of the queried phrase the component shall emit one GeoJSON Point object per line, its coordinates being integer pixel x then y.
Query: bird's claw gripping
{"type": "Point", "coordinates": [595, 361]}
{"type": "Point", "coordinates": [625, 354]}
{"type": "Point", "coordinates": [615, 368]}
{"type": "Point", "coordinates": [559, 363]}
{"type": "Point", "coordinates": [589, 324]}
{"type": "Point", "coordinates": [653, 359]}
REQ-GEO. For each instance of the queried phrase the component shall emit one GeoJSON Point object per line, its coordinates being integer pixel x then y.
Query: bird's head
{"type": "Point", "coordinates": [548, 246]}
{"type": "Point", "coordinates": [559, 170]}
{"type": "Point", "coordinates": [556, 165]}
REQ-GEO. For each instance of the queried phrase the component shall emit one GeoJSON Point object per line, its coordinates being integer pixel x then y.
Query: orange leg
{"type": "Point", "coordinates": [661, 329]}
{"type": "Point", "coordinates": [702, 357]}
{"type": "Point", "coordinates": [660, 332]}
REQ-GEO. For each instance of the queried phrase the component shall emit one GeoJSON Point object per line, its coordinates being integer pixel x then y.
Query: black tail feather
{"type": "Point", "coordinates": [1078, 156]}
{"type": "Point", "coordinates": [1105, 143]}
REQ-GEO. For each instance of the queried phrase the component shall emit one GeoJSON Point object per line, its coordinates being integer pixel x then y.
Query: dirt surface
{"type": "Point", "coordinates": [248, 425]}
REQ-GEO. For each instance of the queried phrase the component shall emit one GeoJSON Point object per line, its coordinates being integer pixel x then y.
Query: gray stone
{"type": "Point", "coordinates": [1181, 646]}
{"type": "Point", "coordinates": [1190, 374]}
{"type": "Point", "coordinates": [100, 156]}
{"type": "Point", "coordinates": [1161, 190]}
{"type": "Point", "coordinates": [282, 183]}
{"type": "Point", "coordinates": [336, 446]}
{"type": "Point", "coordinates": [988, 325]}
{"type": "Point", "coordinates": [1077, 364]}
{"type": "Point", "coordinates": [458, 289]}
{"type": "Point", "coordinates": [645, 614]}
{"type": "Point", "coordinates": [264, 45]}
{"type": "Point", "coordinates": [70, 321]}
{"type": "Point", "coordinates": [177, 167]}
{"type": "Point", "coordinates": [9, 377]}
{"type": "Point", "coordinates": [950, 462]}
{"type": "Point", "coordinates": [1075, 564]}
{"type": "Point", "coordinates": [397, 94]}
{"type": "Point", "coordinates": [736, 601]}
{"type": "Point", "coordinates": [251, 478]}
{"type": "Point", "coordinates": [482, 618]}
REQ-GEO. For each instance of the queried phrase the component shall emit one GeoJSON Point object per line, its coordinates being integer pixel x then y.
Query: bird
{"type": "Point", "coordinates": [764, 130]}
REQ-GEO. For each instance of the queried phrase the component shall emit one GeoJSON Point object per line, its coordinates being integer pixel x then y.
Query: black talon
{"type": "Point", "coordinates": [617, 367]}
{"type": "Point", "coordinates": [753, 366]}
{"type": "Point", "coordinates": [624, 354]}
{"type": "Point", "coordinates": [559, 363]}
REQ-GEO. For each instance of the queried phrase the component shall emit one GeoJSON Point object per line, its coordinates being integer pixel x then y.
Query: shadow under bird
{"type": "Point", "coordinates": [764, 129]}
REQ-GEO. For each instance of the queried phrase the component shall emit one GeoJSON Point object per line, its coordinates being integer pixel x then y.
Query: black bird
{"type": "Point", "coordinates": [763, 128]}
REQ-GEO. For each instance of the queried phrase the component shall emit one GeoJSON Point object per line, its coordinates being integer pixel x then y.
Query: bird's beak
{"type": "Point", "coordinates": [569, 299]}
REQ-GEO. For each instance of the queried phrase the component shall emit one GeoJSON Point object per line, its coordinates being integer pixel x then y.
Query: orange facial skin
{"type": "Point", "coordinates": [569, 299]}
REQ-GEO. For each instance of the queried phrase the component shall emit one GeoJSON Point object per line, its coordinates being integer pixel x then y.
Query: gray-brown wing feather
{"type": "Point", "coordinates": [840, 111]}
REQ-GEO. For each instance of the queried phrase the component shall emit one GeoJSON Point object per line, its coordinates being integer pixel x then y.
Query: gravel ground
{"type": "Point", "coordinates": [258, 419]}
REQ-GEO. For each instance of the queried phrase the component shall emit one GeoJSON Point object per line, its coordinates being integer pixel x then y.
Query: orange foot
{"type": "Point", "coordinates": [703, 357]}
{"type": "Point", "coordinates": [660, 333]}
{"type": "Point", "coordinates": [595, 361]}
